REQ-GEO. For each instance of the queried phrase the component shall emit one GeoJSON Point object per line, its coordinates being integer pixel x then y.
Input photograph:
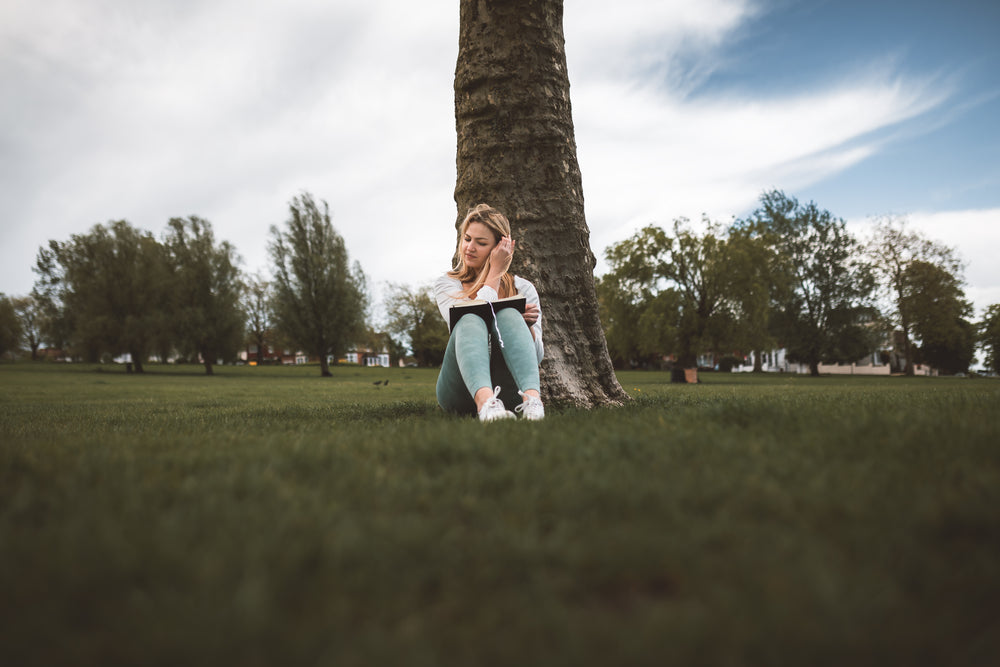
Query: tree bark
{"type": "Point", "coordinates": [904, 322]}
{"type": "Point", "coordinates": [908, 352]}
{"type": "Point", "coordinates": [517, 152]}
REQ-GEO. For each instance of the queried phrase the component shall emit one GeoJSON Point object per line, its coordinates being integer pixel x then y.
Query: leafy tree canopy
{"type": "Point", "coordinates": [683, 286]}
{"type": "Point", "coordinates": [413, 317]}
{"type": "Point", "coordinates": [10, 327]}
{"type": "Point", "coordinates": [29, 314]}
{"type": "Point", "coordinates": [103, 291]}
{"type": "Point", "coordinates": [319, 298]}
{"type": "Point", "coordinates": [256, 300]}
{"type": "Point", "coordinates": [989, 337]}
{"type": "Point", "coordinates": [827, 311]}
{"type": "Point", "coordinates": [934, 297]}
{"type": "Point", "coordinates": [205, 291]}
{"type": "Point", "coordinates": [891, 250]}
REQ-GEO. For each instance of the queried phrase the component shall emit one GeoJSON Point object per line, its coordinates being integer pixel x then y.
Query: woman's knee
{"type": "Point", "coordinates": [511, 317]}
{"type": "Point", "coordinates": [469, 324]}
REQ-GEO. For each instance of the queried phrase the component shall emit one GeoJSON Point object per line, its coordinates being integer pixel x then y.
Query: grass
{"type": "Point", "coordinates": [269, 516]}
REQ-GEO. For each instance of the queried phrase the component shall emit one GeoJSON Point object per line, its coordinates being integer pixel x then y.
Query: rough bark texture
{"type": "Point", "coordinates": [517, 152]}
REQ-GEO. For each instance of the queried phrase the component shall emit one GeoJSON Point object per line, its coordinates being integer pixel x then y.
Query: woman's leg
{"type": "Point", "coordinates": [466, 366]}
{"type": "Point", "coordinates": [518, 369]}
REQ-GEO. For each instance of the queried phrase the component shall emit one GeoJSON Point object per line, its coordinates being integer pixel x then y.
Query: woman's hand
{"type": "Point", "coordinates": [531, 314]}
{"type": "Point", "coordinates": [500, 256]}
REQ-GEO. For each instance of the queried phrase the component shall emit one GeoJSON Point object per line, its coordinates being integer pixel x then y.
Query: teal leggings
{"type": "Point", "coordinates": [469, 365]}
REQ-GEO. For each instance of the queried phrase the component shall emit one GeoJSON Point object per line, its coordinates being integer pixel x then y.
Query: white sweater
{"type": "Point", "coordinates": [447, 289]}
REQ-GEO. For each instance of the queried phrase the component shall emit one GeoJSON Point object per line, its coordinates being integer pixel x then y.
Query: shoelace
{"type": "Point", "coordinates": [493, 401]}
{"type": "Point", "coordinates": [493, 404]}
{"type": "Point", "coordinates": [528, 400]}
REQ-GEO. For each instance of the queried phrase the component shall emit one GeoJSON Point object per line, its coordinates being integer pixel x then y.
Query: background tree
{"type": "Point", "coordinates": [10, 327]}
{"type": "Point", "coordinates": [256, 301]}
{"type": "Point", "coordinates": [688, 271]}
{"type": "Point", "coordinates": [658, 326]}
{"type": "Point", "coordinates": [30, 315]}
{"type": "Point", "coordinates": [319, 299]}
{"type": "Point", "coordinates": [939, 312]}
{"type": "Point", "coordinates": [517, 151]}
{"type": "Point", "coordinates": [700, 268]}
{"type": "Point", "coordinates": [56, 323]}
{"type": "Point", "coordinates": [892, 247]}
{"type": "Point", "coordinates": [827, 313]}
{"type": "Point", "coordinates": [989, 337]}
{"type": "Point", "coordinates": [759, 283]}
{"type": "Point", "coordinates": [641, 317]}
{"type": "Point", "coordinates": [110, 285]}
{"type": "Point", "coordinates": [414, 320]}
{"type": "Point", "coordinates": [205, 291]}
{"type": "Point", "coordinates": [639, 325]}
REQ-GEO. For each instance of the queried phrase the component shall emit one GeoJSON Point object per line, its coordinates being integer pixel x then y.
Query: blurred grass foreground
{"type": "Point", "coordinates": [267, 516]}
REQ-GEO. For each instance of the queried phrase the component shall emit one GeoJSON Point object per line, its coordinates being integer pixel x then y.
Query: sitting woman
{"type": "Point", "coordinates": [489, 365]}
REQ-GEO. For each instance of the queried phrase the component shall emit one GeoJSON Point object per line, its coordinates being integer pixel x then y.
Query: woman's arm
{"type": "Point", "coordinates": [530, 294]}
{"type": "Point", "coordinates": [499, 262]}
{"type": "Point", "coordinates": [445, 290]}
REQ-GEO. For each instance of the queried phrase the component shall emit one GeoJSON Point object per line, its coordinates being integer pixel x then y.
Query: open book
{"type": "Point", "coordinates": [484, 309]}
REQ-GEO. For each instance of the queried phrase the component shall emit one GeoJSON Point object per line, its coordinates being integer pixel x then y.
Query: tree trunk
{"type": "Point", "coordinates": [907, 352]}
{"type": "Point", "coordinates": [208, 366]}
{"type": "Point", "coordinates": [814, 369]}
{"type": "Point", "coordinates": [758, 362]}
{"type": "Point", "coordinates": [324, 366]}
{"type": "Point", "coordinates": [517, 152]}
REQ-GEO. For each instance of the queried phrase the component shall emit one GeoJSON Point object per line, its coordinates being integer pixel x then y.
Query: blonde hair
{"type": "Point", "coordinates": [497, 223]}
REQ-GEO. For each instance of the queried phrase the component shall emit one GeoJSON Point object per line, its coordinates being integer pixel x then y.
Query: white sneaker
{"type": "Point", "coordinates": [532, 407]}
{"type": "Point", "coordinates": [494, 409]}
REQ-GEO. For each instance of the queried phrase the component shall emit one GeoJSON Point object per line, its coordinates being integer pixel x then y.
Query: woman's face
{"type": "Point", "coordinates": [476, 245]}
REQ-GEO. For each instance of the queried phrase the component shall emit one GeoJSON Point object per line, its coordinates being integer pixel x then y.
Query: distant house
{"type": "Point", "coordinates": [269, 356]}
{"type": "Point", "coordinates": [886, 361]}
{"type": "Point", "coordinates": [53, 354]}
{"type": "Point", "coordinates": [358, 355]}
{"type": "Point", "coordinates": [776, 361]}
{"type": "Point", "coordinates": [367, 357]}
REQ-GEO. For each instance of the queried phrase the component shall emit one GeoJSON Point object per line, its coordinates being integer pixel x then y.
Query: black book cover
{"type": "Point", "coordinates": [483, 309]}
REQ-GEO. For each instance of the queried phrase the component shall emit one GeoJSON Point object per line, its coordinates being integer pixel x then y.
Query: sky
{"type": "Point", "coordinates": [224, 109]}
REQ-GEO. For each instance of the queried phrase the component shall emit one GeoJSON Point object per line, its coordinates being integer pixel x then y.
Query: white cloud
{"type": "Point", "coordinates": [649, 156]}
{"type": "Point", "coordinates": [651, 152]}
{"type": "Point", "coordinates": [673, 39]}
{"type": "Point", "coordinates": [226, 110]}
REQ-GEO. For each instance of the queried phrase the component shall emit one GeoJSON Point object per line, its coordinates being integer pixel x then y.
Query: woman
{"type": "Point", "coordinates": [486, 367]}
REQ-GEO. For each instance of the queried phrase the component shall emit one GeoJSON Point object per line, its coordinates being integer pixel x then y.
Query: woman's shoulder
{"type": "Point", "coordinates": [447, 280]}
{"type": "Point", "coordinates": [521, 284]}
{"type": "Point", "coordinates": [525, 288]}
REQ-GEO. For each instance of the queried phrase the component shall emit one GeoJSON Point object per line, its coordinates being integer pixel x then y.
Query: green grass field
{"type": "Point", "coordinates": [267, 516]}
